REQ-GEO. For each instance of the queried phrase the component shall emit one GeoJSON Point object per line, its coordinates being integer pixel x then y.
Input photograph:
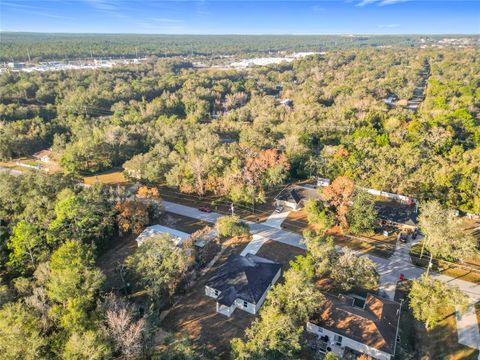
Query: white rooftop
{"type": "Point", "coordinates": [178, 236]}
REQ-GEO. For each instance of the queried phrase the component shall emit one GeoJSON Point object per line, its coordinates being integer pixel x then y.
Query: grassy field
{"type": "Point", "coordinates": [110, 177]}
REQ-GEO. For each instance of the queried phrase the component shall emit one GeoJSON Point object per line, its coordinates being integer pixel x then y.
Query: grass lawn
{"type": "Point", "coordinates": [468, 271]}
{"type": "Point", "coordinates": [194, 314]}
{"type": "Point", "coordinates": [439, 343]}
{"type": "Point", "coordinates": [110, 177]}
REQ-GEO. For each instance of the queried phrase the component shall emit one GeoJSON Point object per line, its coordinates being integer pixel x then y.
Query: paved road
{"type": "Point", "coordinates": [389, 269]}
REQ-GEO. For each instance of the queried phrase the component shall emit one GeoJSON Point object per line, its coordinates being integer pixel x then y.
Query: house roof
{"type": "Point", "coordinates": [374, 325]}
{"type": "Point", "coordinates": [397, 212]}
{"type": "Point", "coordinates": [178, 236]}
{"type": "Point", "coordinates": [42, 153]}
{"type": "Point", "coordinates": [290, 194]}
{"type": "Point", "coordinates": [243, 277]}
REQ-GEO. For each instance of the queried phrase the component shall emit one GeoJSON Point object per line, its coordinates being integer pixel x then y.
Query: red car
{"type": "Point", "coordinates": [205, 209]}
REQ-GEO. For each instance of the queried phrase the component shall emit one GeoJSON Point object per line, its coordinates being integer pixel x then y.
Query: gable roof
{"type": "Point", "coordinates": [375, 325]}
{"type": "Point", "coordinates": [244, 277]}
{"type": "Point", "coordinates": [397, 212]}
{"type": "Point", "coordinates": [290, 194]}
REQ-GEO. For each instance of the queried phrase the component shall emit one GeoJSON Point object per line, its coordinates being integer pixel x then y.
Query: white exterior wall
{"type": "Point", "coordinates": [250, 307]}
{"type": "Point", "coordinates": [211, 292]}
{"type": "Point", "coordinates": [347, 342]}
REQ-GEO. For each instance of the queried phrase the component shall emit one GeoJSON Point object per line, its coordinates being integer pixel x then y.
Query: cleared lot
{"type": "Point", "coordinates": [195, 316]}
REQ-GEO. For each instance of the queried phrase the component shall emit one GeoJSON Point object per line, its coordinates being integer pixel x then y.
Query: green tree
{"type": "Point", "coordinates": [159, 265]}
{"type": "Point", "coordinates": [27, 246]}
{"type": "Point", "coordinates": [276, 334]}
{"type": "Point", "coordinates": [322, 250]}
{"type": "Point", "coordinates": [90, 345]}
{"type": "Point", "coordinates": [362, 215]}
{"type": "Point", "coordinates": [351, 271]}
{"type": "Point", "coordinates": [431, 300]}
{"type": "Point", "coordinates": [20, 333]}
{"type": "Point", "coordinates": [72, 285]}
{"type": "Point", "coordinates": [86, 216]}
{"type": "Point", "coordinates": [296, 296]}
{"type": "Point", "coordinates": [273, 336]}
{"type": "Point", "coordinates": [318, 214]}
{"type": "Point", "coordinates": [445, 233]}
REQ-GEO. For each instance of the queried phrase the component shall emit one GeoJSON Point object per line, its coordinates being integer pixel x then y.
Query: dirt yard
{"type": "Point", "coordinates": [195, 316]}
{"type": "Point", "coordinates": [279, 252]}
{"type": "Point", "coordinates": [182, 223]}
{"type": "Point", "coordinates": [111, 260]}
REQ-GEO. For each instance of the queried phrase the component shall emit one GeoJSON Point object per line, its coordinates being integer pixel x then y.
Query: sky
{"type": "Point", "coordinates": [242, 16]}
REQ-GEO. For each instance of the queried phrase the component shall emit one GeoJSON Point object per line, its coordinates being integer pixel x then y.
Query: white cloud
{"type": "Point", "coordinates": [388, 26]}
{"type": "Point", "coordinates": [380, 2]}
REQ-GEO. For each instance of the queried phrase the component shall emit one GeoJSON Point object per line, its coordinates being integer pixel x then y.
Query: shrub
{"type": "Point", "coordinates": [229, 226]}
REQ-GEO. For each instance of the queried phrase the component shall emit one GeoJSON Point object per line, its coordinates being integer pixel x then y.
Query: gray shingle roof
{"type": "Point", "coordinates": [244, 277]}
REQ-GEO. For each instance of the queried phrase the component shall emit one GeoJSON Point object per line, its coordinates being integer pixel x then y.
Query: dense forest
{"type": "Point", "coordinates": [199, 130]}
{"type": "Point", "coordinates": [40, 46]}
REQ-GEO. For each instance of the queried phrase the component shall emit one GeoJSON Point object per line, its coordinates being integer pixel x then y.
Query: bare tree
{"type": "Point", "coordinates": [126, 333]}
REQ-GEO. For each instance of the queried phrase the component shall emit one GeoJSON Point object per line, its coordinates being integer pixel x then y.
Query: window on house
{"type": "Point", "coordinates": [216, 292]}
{"type": "Point", "coordinates": [338, 340]}
{"type": "Point", "coordinates": [245, 304]}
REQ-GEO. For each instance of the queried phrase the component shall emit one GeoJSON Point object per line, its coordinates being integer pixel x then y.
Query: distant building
{"type": "Point", "coordinates": [177, 236]}
{"type": "Point", "coordinates": [43, 155]}
{"type": "Point", "coordinates": [16, 66]}
{"type": "Point", "coordinates": [344, 328]}
{"type": "Point", "coordinates": [242, 282]}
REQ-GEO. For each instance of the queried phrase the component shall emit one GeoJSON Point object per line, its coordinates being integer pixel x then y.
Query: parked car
{"type": "Point", "coordinates": [205, 209]}
{"type": "Point", "coordinates": [279, 209]}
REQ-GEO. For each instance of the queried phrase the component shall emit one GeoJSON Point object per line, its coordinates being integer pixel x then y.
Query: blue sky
{"type": "Point", "coordinates": [242, 16]}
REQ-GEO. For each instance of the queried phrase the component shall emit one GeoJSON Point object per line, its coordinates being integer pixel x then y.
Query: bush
{"type": "Point", "coordinates": [229, 226]}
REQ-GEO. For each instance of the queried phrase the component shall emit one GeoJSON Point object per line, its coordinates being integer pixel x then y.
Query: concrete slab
{"type": "Point", "coordinates": [276, 219]}
{"type": "Point", "coordinates": [467, 327]}
{"type": "Point", "coordinates": [254, 245]}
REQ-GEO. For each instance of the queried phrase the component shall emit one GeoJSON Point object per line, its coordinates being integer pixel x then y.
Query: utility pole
{"type": "Point", "coordinates": [232, 208]}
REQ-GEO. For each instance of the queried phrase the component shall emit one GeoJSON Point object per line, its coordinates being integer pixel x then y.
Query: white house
{"type": "Point", "coordinates": [43, 155]}
{"type": "Point", "coordinates": [177, 236]}
{"type": "Point", "coordinates": [290, 197]}
{"type": "Point", "coordinates": [344, 328]}
{"type": "Point", "coordinates": [242, 282]}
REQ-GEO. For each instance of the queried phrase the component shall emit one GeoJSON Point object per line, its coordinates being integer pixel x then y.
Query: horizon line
{"type": "Point", "coordinates": [239, 34]}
